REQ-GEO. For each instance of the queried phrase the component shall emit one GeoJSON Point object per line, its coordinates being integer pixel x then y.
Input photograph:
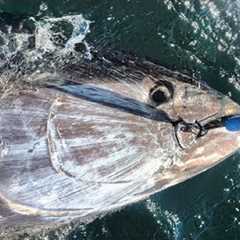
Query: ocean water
{"type": "Point", "coordinates": [199, 37]}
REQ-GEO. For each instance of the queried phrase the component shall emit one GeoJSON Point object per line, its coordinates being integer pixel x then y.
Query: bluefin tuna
{"type": "Point", "coordinates": [102, 136]}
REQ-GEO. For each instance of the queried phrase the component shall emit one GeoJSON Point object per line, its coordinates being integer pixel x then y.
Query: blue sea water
{"type": "Point", "coordinates": [199, 37]}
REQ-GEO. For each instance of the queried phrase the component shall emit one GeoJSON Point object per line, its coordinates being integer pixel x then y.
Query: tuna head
{"type": "Point", "coordinates": [195, 102]}
{"type": "Point", "coordinates": [163, 101]}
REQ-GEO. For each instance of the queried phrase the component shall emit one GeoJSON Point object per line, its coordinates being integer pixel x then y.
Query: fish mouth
{"type": "Point", "coordinates": [203, 153]}
{"type": "Point", "coordinates": [218, 143]}
{"type": "Point", "coordinates": [202, 117]}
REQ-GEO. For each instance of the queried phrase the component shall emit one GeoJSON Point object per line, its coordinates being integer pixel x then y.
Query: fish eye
{"type": "Point", "coordinates": [161, 93]}
{"type": "Point", "coordinates": [158, 96]}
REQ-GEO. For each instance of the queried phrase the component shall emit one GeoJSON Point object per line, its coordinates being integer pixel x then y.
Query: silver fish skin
{"type": "Point", "coordinates": [78, 149]}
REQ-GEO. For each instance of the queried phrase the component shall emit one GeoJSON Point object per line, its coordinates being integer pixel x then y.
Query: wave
{"type": "Point", "coordinates": [38, 48]}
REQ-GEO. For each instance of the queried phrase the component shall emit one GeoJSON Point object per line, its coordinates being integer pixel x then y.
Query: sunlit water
{"type": "Point", "coordinates": [200, 38]}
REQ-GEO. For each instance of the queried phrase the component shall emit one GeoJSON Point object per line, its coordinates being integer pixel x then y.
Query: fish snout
{"type": "Point", "coordinates": [229, 107]}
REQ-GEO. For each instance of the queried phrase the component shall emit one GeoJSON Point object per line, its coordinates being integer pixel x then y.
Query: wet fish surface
{"type": "Point", "coordinates": [101, 137]}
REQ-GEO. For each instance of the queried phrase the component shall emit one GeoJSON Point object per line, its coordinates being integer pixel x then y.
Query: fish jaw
{"type": "Point", "coordinates": [207, 151]}
{"type": "Point", "coordinates": [212, 149]}
{"type": "Point", "coordinates": [220, 139]}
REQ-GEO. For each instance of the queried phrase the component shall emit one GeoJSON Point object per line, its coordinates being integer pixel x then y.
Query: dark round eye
{"type": "Point", "coordinates": [158, 96]}
{"type": "Point", "coordinates": [161, 93]}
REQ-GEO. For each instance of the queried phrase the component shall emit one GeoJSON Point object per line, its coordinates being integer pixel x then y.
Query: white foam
{"type": "Point", "coordinates": [46, 54]}
{"type": "Point", "coordinates": [158, 214]}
